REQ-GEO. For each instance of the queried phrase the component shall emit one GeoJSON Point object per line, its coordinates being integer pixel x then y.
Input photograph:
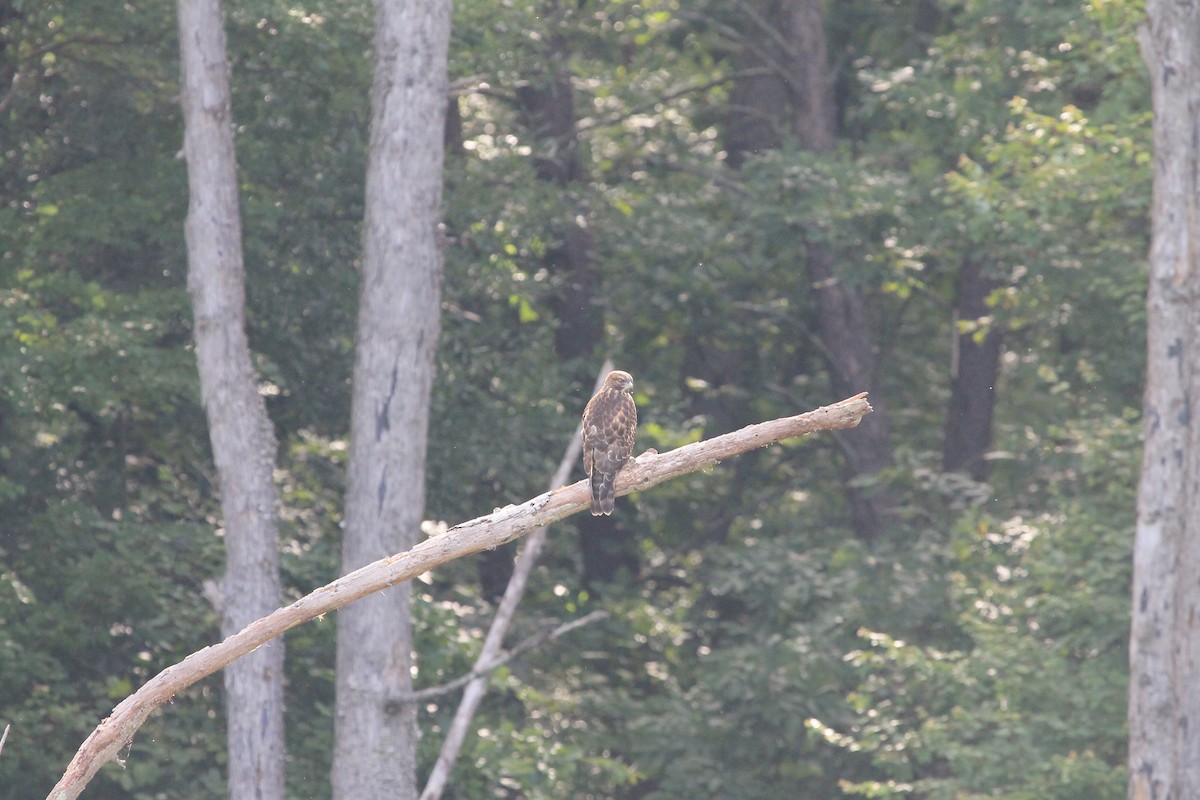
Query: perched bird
{"type": "Point", "coordinates": [609, 427]}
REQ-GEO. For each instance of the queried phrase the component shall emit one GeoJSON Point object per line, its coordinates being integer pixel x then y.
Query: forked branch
{"type": "Point", "coordinates": [492, 530]}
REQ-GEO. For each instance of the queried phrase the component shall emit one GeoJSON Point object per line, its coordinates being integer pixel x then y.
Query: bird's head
{"type": "Point", "coordinates": [621, 381]}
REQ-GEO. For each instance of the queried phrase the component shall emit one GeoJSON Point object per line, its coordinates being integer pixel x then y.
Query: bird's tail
{"type": "Point", "coordinates": [604, 499]}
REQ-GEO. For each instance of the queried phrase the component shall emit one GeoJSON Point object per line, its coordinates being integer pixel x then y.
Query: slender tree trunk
{"type": "Point", "coordinates": [759, 101]}
{"type": "Point", "coordinates": [810, 80]}
{"type": "Point", "coordinates": [375, 736]}
{"type": "Point", "coordinates": [546, 107]}
{"type": "Point", "coordinates": [243, 442]}
{"type": "Point", "coordinates": [1164, 652]}
{"type": "Point", "coordinates": [973, 371]}
{"type": "Point", "coordinates": [844, 322]}
{"type": "Point", "coordinates": [785, 86]}
{"type": "Point", "coordinates": [786, 40]}
{"type": "Point", "coordinates": [847, 333]}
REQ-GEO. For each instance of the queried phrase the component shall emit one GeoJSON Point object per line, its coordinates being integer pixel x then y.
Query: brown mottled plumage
{"type": "Point", "coordinates": [609, 428]}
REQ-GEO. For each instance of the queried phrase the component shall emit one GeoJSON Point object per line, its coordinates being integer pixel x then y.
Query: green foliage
{"type": "Point", "coordinates": [755, 649]}
{"type": "Point", "coordinates": [1034, 705]}
{"type": "Point", "coordinates": [1024, 200]}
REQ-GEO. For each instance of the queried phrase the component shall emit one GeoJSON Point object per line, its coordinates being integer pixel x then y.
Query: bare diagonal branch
{"type": "Point", "coordinates": [492, 530]}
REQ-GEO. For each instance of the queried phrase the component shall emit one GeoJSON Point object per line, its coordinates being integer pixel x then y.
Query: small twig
{"type": "Point", "coordinates": [771, 31]}
{"type": "Point", "coordinates": [4, 736]}
{"type": "Point", "coordinates": [667, 97]}
{"type": "Point", "coordinates": [752, 43]}
{"type": "Point", "coordinates": [723, 178]}
{"type": "Point", "coordinates": [18, 79]}
{"type": "Point", "coordinates": [23, 74]}
{"type": "Point", "coordinates": [479, 672]}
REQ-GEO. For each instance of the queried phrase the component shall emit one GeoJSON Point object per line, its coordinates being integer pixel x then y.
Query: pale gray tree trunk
{"type": "Point", "coordinates": [375, 736]}
{"type": "Point", "coordinates": [1164, 651]}
{"type": "Point", "coordinates": [243, 442]}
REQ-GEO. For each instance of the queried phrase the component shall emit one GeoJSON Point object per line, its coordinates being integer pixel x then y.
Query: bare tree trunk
{"type": "Point", "coordinates": [758, 114]}
{"type": "Point", "coordinates": [786, 40]}
{"type": "Point", "coordinates": [375, 736]}
{"type": "Point", "coordinates": [546, 107]}
{"type": "Point", "coordinates": [1164, 651]}
{"type": "Point", "coordinates": [784, 85]}
{"type": "Point", "coordinates": [844, 322]}
{"type": "Point", "coordinates": [810, 80]}
{"type": "Point", "coordinates": [848, 336]}
{"type": "Point", "coordinates": [973, 371]}
{"type": "Point", "coordinates": [243, 442]}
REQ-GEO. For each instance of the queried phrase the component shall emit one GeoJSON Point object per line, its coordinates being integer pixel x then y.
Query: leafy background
{"type": "Point", "coordinates": [755, 648]}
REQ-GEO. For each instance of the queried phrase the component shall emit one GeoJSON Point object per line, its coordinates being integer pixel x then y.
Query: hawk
{"type": "Point", "coordinates": [609, 427]}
